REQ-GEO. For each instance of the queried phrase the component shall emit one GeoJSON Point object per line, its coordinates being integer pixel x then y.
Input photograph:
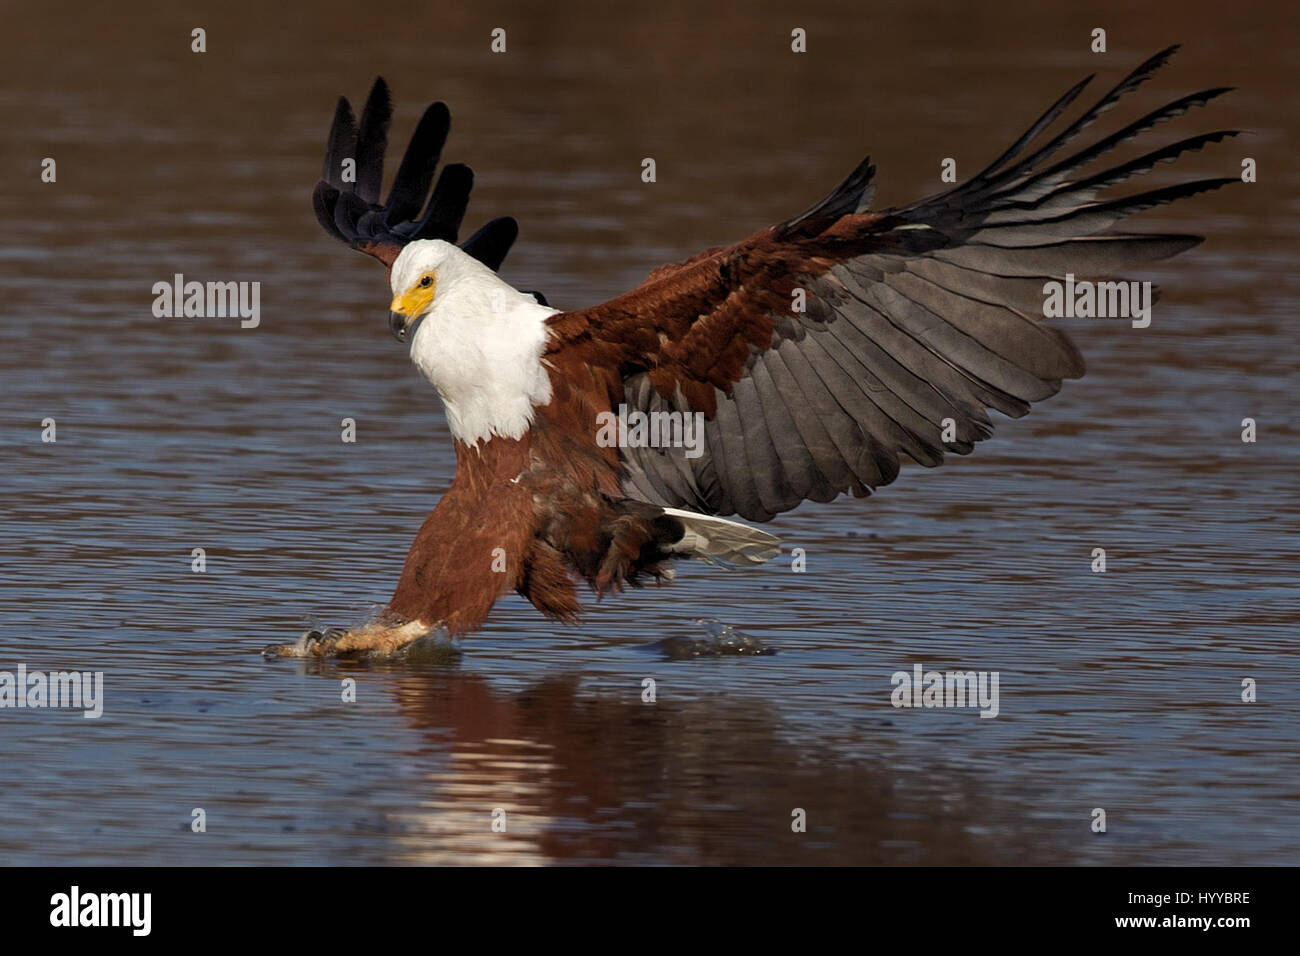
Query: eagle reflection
{"type": "Point", "coordinates": [586, 772]}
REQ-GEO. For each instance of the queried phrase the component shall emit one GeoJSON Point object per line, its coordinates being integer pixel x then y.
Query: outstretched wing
{"type": "Point", "coordinates": [350, 210]}
{"type": "Point", "coordinates": [910, 317]}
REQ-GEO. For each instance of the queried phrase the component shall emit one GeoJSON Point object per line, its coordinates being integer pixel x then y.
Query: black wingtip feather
{"type": "Point", "coordinates": [372, 141]}
{"type": "Point", "coordinates": [1143, 72]}
{"type": "Point", "coordinates": [350, 211]}
{"type": "Point", "coordinates": [342, 143]}
{"type": "Point", "coordinates": [491, 243]}
{"type": "Point", "coordinates": [843, 200]}
{"type": "Point", "coordinates": [323, 200]}
{"type": "Point", "coordinates": [447, 205]}
{"type": "Point", "coordinates": [1048, 117]}
{"type": "Point", "coordinates": [419, 162]}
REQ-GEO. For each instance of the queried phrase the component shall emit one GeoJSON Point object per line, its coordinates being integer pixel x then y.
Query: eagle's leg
{"type": "Point", "coordinates": [382, 638]}
{"type": "Point", "coordinates": [640, 538]}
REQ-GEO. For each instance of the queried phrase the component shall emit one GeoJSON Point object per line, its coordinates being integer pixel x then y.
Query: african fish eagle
{"type": "Point", "coordinates": [819, 351]}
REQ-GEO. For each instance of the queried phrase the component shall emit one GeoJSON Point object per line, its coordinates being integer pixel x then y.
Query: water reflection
{"type": "Point", "coordinates": [585, 777]}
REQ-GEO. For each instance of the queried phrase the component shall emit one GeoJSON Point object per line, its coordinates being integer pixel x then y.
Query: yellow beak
{"type": "Point", "coordinates": [408, 306]}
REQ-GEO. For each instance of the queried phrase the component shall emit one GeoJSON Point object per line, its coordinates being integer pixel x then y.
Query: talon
{"type": "Point", "coordinates": [377, 640]}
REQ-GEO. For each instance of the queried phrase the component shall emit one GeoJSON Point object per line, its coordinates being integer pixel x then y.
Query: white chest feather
{"type": "Point", "coordinates": [481, 346]}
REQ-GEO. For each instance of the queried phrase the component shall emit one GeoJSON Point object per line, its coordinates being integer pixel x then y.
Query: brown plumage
{"type": "Point", "coordinates": [516, 520]}
{"type": "Point", "coordinates": [820, 351]}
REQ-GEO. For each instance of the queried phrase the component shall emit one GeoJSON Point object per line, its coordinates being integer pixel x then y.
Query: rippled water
{"type": "Point", "coordinates": [1119, 691]}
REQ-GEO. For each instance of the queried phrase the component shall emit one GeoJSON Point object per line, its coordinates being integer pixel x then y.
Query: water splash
{"type": "Point", "coordinates": [435, 646]}
{"type": "Point", "coordinates": [721, 640]}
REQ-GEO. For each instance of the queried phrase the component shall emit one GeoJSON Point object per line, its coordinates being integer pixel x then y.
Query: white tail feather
{"type": "Point", "coordinates": [717, 539]}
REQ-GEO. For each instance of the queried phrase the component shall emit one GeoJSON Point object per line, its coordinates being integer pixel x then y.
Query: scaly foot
{"type": "Point", "coordinates": [378, 639]}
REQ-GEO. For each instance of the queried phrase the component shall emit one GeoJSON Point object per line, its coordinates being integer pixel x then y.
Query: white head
{"type": "Point", "coordinates": [477, 340]}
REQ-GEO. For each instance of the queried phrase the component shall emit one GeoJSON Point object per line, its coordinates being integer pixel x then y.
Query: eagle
{"type": "Point", "coordinates": [816, 355]}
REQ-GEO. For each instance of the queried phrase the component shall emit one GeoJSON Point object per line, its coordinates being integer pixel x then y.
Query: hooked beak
{"type": "Point", "coordinates": [407, 307]}
{"type": "Point", "coordinates": [397, 324]}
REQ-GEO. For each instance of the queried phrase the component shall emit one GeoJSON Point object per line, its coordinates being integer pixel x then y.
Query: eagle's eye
{"type": "Point", "coordinates": [426, 282]}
